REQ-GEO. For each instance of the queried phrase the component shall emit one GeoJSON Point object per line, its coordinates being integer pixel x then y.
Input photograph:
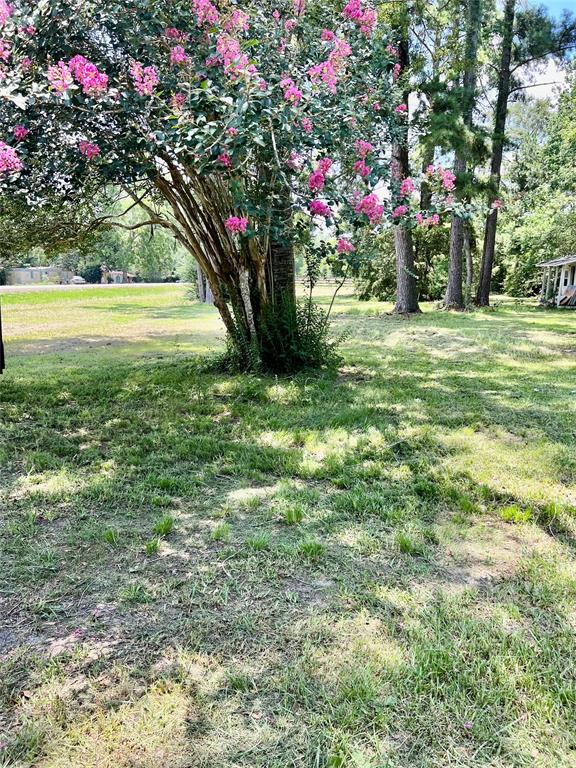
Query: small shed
{"type": "Point", "coordinates": [559, 281]}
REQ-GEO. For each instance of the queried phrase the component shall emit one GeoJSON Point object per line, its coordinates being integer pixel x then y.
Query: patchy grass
{"type": "Point", "coordinates": [374, 569]}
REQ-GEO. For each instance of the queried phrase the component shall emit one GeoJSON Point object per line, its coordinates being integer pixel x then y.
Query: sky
{"type": "Point", "coordinates": [552, 77]}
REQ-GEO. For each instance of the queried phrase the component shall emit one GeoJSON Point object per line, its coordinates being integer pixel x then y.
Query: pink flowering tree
{"type": "Point", "coordinates": [224, 124]}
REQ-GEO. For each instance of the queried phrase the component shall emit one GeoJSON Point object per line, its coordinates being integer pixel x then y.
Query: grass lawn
{"type": "Point", "coordinates": [374, 569]}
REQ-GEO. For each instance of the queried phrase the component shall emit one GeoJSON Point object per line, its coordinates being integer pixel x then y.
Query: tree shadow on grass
{"type": "Point", "coordinates": [304, 608]}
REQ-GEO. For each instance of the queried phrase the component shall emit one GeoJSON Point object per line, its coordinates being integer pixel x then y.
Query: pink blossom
{"type": "Point", "coordinates": [406, 187]}
{"type": "Point", "coordinates": [396, 71]}
{"type": "Point", "coordinates": [430, 170]}
{"type": "Point", "coordinates": [5, 13]}
{"type": "Point", "coordinates": [276, 16]}
{"type": "Point", "coordinates": [362, 169]}
{"type": "Point", "coordinates": [328, 71]}
{"type": "Point", "coordinates": [419, 218]}
{"type": "Point", "coordinates": [205, 12]}
{"type": "Point", "coordinates": [290, 25]}
{"type": "Point", "coordinates": [496, 204]}
{"type": "Point", "coordinates": [174, 34]}
{"type": "Point", "coordinates": [376, 106]}
{"type": "Point", "coordinates": [291, 92]}
{"type": "Point", "coordinates": [401, 109]}
{"type": "Point", "coordinates": [232, 131]}
{"type": "Point", "coordinates": [449, 199]}
{"type": "Point", "coordinates": [448, 179]}
{"type": "Point", "coordinates": [60, 77]}
{"type": "Point", "coordinates": [224, 159]}
{"type": "Point", "coordinates": [371, 207]}
{"type": "Point", "coordinates": [93, 82]}
{"type": "Point", "coordinates": [365, 18]}
{"type": "Point", "coordinates": [238, 22]}
{"type": "Point", "coordinates": [328, 36]}
{"type": "Point", "coordinates": [20, 132]}
{"type": "Point", "coordinates": [392, 50]}
{"type": "Point", "coordinates": [307, 125]}
{"type": "Point", "coordinates": [89, 150]}
{"type": "Point", "coordinates": [233, 60]}
{"type": "Point", "coordinates": [5, 50]}
{"type": "Point", "coordinates": [316, 181]}
{"type": "Point", "coordinates": [178, 55]}
{"type": "Point", "coordinates": [345, 246]}
{"type": "Point", "coordinates": [298, 6]}
{"type": "Point", "coordinates": [319, 208]}
{"type": "Point", "coordinates": [325, 164]}
{"type": "Point", "coordinates": [9, 160]}
{"type": "Point", "coordinates": [295, 161]}
{"type": "Point", "coordinates": [26, 63]}
{"type": "Point", "coordinates": [145, 78]}
{"type": "Point", "coordinates": [177, 101]}
{"type": "Point", "coordinates": [433, 220]}
{"type": "Point", "coordinates": [399, 211]}
{"type": "Point", "coordinates": [363, 148]}
{"type": "Point", "coordinates": [236, 224]}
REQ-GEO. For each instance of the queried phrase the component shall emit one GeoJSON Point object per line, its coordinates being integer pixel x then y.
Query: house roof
{"type": "Point", "coordinates": [558, 262]}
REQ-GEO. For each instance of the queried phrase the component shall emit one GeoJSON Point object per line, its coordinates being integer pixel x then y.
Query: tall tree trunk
{"type": "Point", "coordinates": [469, 262]}
{"type": "Point", "coordinates": [483, 294]}
{"type": "Point", "coordinates": [406, 286]}
{"type": "Point", "coordinates": [454, 298]}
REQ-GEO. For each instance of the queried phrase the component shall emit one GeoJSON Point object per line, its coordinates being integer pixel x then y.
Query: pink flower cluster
{"type": "Point", "coordinates": [363, 17]}
{"type": "Point", "coordinates": [497, 204]}
{"type": "Point", "coordinates": [328, 36]}
{"type": "Point", "coordinates": [344, 246]}
{"type": "Point", "coordinates": [233, 60]}
{"type": "Point", "coordinates": [224, 160]}
{"type": "Point", "coordinates": [406, 187]}
{"type": "Point", "coordinates": [290, 25]}
{"type": "Point", "coordinates": [174, 34]}
{"type": "Point", "coordinates": [363, 148]}
{"type": "Point", "coordinates": [328, 71]}
{"type": "Point", "coordinates": [60, 77]}
{"type": "Point", "coordinates": [446, 176]}
{"type": "Point", "coordinates": [20, 132]}
{"type": "Point", "coordinates": [371, 207]}
{"type": "Point", "coordinates": [89, 150]}
{"type": "Point", "coordinates": [9, 160]}
{"type": "Point", "coordinates": [298, 6]}
{"type": "Point", "coordinates": [178, 56]}
{"type": "Point", "coordinates": [307, 125]}
{"type": "Point", "coordinates": [93, 82]}
{"type": "Point", "coordinates": [205, 12]}
{"type": "Point", "coordinates": [237, 224]}
{"type": "Point", "coordinates": [319, 208]}
{"type": "Point", "coordinates": [5, 13]}
{"type": "Point", "coordinates": [399, 211]}
{"type": "Point", "coordinates": [177, 101]}
{"type": "Point", "coordinates": [428, 221]}
{"type": "Point", "coordinates": [362, 169]}
{"type": "Point", "coordinates": [5, 50]}
{"type": "Point", "coordinates": [317, 178]}
{"type": "Point", "coordinates": [239, 21]}
{"type": "Point", "coordinates": [401, 109]}
{"type": "Point", "coordinates": [145, 78]}
{"type": "Point", "coordinates": [392, 50]}
{"type": "Point", "coordinates": [292, 94]}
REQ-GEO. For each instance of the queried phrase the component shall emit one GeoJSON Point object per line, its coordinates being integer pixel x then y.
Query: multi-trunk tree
{"type": "Point", "coordinates": [224, 123]}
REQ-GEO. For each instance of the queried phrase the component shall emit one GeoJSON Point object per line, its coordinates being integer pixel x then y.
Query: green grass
{"type": "Point", "coordinates": [374, 568]}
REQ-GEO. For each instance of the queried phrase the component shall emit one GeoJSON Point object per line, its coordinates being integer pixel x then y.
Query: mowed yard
{"type": "Point", "coordinates": [368, 569]}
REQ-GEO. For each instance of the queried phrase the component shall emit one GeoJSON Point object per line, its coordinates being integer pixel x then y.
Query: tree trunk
{"type": "Point", "coordinates": [454, 298]}
{"type": "Point", "coordinates": [469, 262]}
{"type": "Point", "coordinates": [483, 294]}
{"type": "Point", "coordinates": [406, 286]}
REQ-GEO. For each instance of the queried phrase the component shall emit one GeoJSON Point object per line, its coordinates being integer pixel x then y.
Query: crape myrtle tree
{"type": "Point", "coordinates": [228, 125]}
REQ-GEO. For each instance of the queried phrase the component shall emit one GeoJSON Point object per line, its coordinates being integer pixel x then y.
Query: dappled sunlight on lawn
{"type": "Point", "coordinates": [368, 567]}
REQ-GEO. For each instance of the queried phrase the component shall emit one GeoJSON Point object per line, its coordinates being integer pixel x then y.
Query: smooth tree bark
{"type": "Point", "coordinates": [498, 137]}
{"type": "Point", "coordinates": [406, 284]}
{"type": "Point", "coordinates": [454, 297]}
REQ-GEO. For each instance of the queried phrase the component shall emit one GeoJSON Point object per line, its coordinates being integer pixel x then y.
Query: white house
{"type": "Point", "coordinates": [38, 276]}
{"type": "Point", "coordinates": [559, 281]}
